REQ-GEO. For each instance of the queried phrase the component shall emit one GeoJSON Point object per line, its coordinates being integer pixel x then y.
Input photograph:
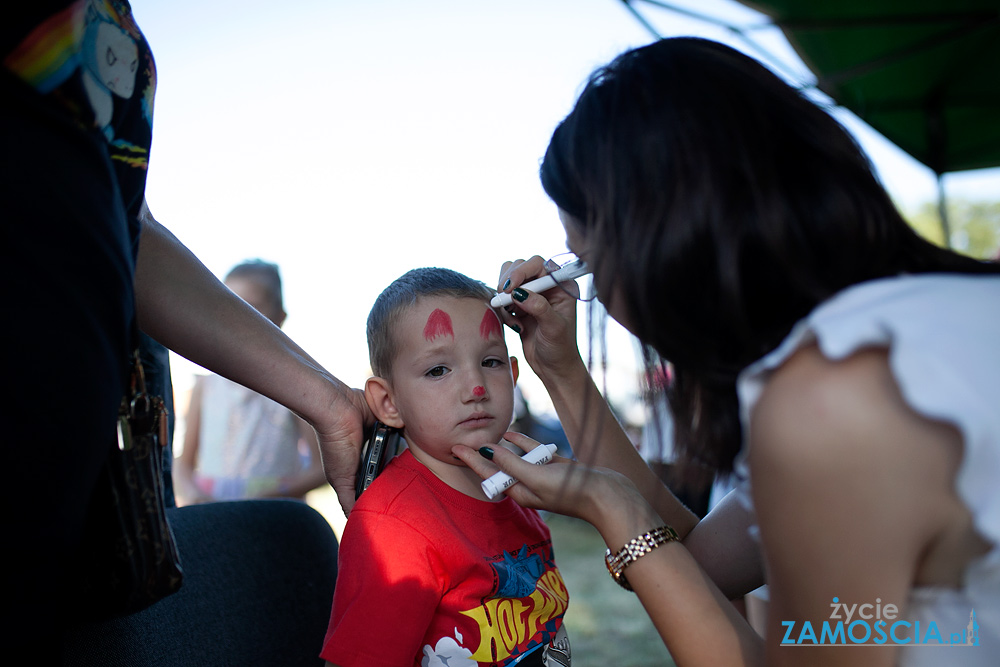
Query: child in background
{"type": "Point", "coordinates": [432, 573]}
{"type": "Point", "coordinates": [239, 444]}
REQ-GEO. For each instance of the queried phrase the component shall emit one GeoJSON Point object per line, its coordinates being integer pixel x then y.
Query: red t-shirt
{"type": "Point", "coordinates": [429, 576]}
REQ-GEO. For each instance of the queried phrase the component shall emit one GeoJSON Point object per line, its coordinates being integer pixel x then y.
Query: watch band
{"type": "Point", "coordinates": [636, 548]}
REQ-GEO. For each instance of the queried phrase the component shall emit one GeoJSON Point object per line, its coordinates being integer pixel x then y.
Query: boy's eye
{"type": "Point", "coordinates": [492, 363]}
{"type": "Point", "coordinates": [437, 371]}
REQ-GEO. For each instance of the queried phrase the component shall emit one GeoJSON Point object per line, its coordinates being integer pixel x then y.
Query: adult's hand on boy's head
{"type": "Point", "coordinates": [546, 323]}
{"type": "Point", "coordinates": [340, 443]}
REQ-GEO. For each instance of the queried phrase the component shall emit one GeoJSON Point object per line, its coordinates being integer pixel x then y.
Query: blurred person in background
{"type": "Point", "coordinates": [238, 443]}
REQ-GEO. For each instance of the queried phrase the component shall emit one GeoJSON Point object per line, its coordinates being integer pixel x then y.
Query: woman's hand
{"type": "Point", "coordinates": [340, 432]}
{"type": "Point", "coordinates": [680, 600]}
{"type": "Point", "coordinates": [546, 322]}
{"type": "Point", "coordinates": [602, 497]}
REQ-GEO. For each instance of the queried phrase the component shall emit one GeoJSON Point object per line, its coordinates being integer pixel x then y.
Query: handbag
{"type": "Point", "coordinates": [131, 553]}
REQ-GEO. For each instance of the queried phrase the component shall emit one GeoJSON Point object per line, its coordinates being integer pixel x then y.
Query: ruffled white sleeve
{"type": "Point", "coordinates": [943, 337]}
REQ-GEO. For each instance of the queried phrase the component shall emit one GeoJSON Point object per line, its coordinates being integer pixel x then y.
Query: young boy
{"type": "Point", "coordinates": [431, 572]}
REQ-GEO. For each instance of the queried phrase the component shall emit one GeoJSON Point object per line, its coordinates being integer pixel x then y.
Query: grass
{"type": "Point", "coordinates": [607, 625]}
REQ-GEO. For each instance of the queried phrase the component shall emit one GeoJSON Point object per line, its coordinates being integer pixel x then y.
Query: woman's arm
{"type": "Point", "coordinates": [547, 326]}
{"type": "Point", "coordinates": [720, 543]}
{"type": "Point", "coordinates": [697, 622]}
{"type": "Point", "coordinates": [182, 305]}
{"type": "Point", "coordinates": [599, 440]}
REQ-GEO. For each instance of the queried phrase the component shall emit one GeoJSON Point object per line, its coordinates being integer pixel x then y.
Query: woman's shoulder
{"type": "Point", "coordinates": [812, 393]}
{"type": "Point", "coordinates": [810, 398]}
{"type": "Point", "coordinates": [826, 420]}
{"type": "Point", "coordinates": [930, 338]}
{"type": "Point", "coordinates": [898, 377]}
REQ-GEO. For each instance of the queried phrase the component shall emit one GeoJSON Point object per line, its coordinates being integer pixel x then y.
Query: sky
{"type": "Point", "coordinates": [349, 142]}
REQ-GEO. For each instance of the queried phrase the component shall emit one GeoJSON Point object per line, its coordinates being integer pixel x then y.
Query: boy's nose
{"type": "Point", "coordinates": [479, 392]}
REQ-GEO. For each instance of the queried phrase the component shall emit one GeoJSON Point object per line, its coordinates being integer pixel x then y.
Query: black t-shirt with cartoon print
{"type": "Point", "coordinates": [89, 59]}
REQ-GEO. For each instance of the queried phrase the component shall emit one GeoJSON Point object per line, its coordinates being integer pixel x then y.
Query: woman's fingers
{"type": "Point", "coordinates": [476, 461]}
{"type": "Point", "coordinates": [516, 273]}
{"type": "Point", "coordinates": [561, 486]}
{"type": "Point", "coordinates": [340, 444]}
{"type": "Point", "coordinates": [481, 463]}
{"type": "Point", "coordinates": [521, 440]}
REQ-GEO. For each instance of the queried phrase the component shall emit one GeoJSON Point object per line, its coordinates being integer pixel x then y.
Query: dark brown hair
{"type": "Point", "coordinates": [725, 205]}
{"type": "Point", "coordinates": [404, 292]}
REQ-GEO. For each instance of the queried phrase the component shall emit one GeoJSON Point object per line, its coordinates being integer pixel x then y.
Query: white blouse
{"type": "Point", "coordinates": [942, 333]}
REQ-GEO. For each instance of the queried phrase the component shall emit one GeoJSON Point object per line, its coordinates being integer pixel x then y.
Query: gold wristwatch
{"type": "Point", "coordinates": [636, 548]}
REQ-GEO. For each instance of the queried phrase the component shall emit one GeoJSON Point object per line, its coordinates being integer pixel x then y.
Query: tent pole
{"type": "Point", "coordinates": [943, 211]}
{"type": "Point", "coordinates": [639, 17]}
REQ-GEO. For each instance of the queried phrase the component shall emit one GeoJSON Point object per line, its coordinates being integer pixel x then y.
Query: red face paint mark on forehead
{"type": "Point", "coordinates": [438, 324]}
{"type": "Point", "coordinates": [490, 325]}
{"type": "Point", "coordinates": [479, 391]}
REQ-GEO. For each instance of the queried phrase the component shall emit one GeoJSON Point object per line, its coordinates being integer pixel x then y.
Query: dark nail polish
{"type": "Point", "coordinates": [486, 453]}
{"type": "Point", "coordinates": [516, 328]}
{"type": "Point", "coordinates": [505, 285]}
{"type": "Point", "coordinates": [519, 294]}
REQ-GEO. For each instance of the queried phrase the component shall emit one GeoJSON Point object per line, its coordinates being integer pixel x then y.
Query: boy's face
{"type": "Point", "coordinates": [452, 379]}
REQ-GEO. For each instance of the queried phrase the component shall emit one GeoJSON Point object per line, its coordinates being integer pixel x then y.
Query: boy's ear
{"type": "Point", "coordinates": [378, 395]}
{"type": "Point", "coordinates": [513, 369]}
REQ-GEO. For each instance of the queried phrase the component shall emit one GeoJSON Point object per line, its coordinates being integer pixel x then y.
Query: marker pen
{"type": "Point", "coordinates": [570, 271]}
{"type": "Point", "coordinates": [495, 484]}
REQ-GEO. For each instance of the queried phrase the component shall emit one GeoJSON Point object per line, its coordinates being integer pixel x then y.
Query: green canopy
{"type": "Point", "coordinates": [924, 73]}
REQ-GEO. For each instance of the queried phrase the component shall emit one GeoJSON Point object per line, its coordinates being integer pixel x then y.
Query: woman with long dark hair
{"type": "Point", "coordinates": [819, 348]}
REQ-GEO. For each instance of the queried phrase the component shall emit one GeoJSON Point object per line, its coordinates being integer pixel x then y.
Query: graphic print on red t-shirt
{"type": "Point", "coordinates": [522, 620]}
